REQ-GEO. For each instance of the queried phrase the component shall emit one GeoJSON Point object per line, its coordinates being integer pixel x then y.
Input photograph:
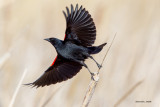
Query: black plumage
{"type": "Point", "coordinates": [80, 26]}
{"type": "Point", "coordinates": [77, 46]}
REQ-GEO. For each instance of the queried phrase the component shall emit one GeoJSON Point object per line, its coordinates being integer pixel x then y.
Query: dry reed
{"type": "Point", "coordinates": [94, 81]}
{"type": "Point", "coordinates": [17, 88]}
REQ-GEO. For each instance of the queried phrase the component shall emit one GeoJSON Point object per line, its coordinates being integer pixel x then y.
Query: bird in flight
{"type": "Point", "coordinates": [76, 47]}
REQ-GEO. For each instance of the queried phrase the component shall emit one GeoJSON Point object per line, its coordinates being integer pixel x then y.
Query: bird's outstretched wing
{"type": "Point", "coordinates": [60, 71]}
{"type": "Point", "coordinates": [80, 26]}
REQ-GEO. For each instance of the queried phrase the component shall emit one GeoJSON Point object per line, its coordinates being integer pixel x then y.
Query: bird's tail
{"type": "Point", "coordinates": [96, 49]}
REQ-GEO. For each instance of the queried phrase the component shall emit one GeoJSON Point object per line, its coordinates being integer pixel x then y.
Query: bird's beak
{"type": "Point", "coordinates": [47, 39]}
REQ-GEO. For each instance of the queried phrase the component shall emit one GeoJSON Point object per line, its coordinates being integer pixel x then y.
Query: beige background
{"type": "Point", "coordinates": [130, 73]}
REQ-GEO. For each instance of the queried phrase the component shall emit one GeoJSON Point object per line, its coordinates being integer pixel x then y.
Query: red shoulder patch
{"type": "Point", "coordinates": [65, 37]}
{"type": "Point", "coordinates": [54, 61]}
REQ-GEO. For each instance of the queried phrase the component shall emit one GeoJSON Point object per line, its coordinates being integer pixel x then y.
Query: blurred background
{"type": "Point", "coordinates": [131, 70]}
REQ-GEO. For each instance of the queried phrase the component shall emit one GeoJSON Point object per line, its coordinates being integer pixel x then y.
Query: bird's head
{"type": "Point", "coordinates": [53, 41]}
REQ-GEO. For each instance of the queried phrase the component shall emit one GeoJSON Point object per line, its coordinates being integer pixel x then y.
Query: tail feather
{"type": "Point", "coordinates": [96, 49]}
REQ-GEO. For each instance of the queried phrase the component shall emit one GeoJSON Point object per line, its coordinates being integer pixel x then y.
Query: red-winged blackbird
{"type": "Point", "coordinates": [77, 46]}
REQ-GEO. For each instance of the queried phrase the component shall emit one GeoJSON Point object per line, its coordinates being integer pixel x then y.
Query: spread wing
{"type": "Point", "coordinates": [80, 26]}
{"type": "Point", "coordinates": [60, 71]}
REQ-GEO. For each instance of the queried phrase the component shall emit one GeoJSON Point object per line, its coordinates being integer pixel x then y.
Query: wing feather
{"type": "Point", "coordinates": [62, 70]}
{"type": "Point", "coordinates": [75, 12]}
{"type": "Point", "coordinates": [80, 26]}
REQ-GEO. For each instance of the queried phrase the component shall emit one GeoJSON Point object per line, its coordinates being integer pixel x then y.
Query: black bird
{"type": "Point", "coordinates": [77, 46]}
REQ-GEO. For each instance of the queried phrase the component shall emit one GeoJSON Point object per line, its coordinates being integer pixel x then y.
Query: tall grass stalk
{"type": "Point", "coordinates": [4, 58]}
{"type": "Point", "coordinates": [128, 93]}
{"type": "Point", "coordinates": [17, 89]}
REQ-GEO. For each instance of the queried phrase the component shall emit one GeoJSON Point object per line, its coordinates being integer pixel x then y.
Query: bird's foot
{"type": "Point", "coordinates": [95, 76]}
{"type": "Point", "coordinates": [99, 66]}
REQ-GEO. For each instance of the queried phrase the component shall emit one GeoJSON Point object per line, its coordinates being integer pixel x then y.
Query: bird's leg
{"type": "Point", "coordinates": [82, 63]}
{"type": "Point", "coordinates": [87, 68]}
{"type": "Point", "coordinates": [99, 66]}
{"type": "Point", "coordinates": [94, 76]}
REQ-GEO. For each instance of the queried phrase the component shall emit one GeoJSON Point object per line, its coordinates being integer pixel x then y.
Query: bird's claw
{"type": "Point", "coordinates": [95, 76]}
{"type": "Point", "coordinates": [92, 74]}
{"type": "Point", "coordinates": [99, 66]}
